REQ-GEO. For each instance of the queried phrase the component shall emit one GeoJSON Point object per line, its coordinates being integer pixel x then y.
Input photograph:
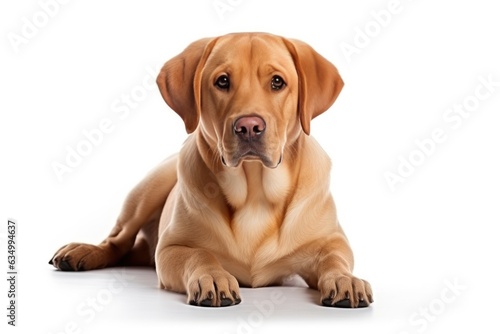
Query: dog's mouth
{"type": "Point", "coordinates": [234, 160]}
{"type": "Point", "coordinates": [234, 151]}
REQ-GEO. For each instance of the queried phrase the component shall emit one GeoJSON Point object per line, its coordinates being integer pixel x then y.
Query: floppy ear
{"type": "Point", "coordinates": [180, 81]}
{"type": "Point", "coordinates": [319, 81]}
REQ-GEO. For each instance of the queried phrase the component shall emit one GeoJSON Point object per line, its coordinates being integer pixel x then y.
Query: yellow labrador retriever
{"type": "Point", "coordinates": [247, 200]}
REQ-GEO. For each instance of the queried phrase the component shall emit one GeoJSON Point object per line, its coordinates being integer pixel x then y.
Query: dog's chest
{"type": "Point", "coordinates": [251, 225]}
{"type": "Point", "coordinates": [257, 196]}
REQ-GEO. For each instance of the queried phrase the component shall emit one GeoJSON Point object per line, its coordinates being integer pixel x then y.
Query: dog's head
{"type": "Point", "coordinates": [250, 94]}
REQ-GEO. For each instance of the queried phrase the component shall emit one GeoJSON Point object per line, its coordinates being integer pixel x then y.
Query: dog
{"type": "Point", "coordinates": [246, 202]}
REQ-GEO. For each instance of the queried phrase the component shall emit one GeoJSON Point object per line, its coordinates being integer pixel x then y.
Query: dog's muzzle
{"type": "Point", "coordinates": [249, 131]}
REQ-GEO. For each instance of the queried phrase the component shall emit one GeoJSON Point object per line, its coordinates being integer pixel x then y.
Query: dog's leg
{"type": "Point", "coordinates": [142, 206]}
{"type": "Point", "coordinates": [332, 276]}
{"type": "Point", "coordinates": [143, 251]}
{"type": "Point", "coordinates": [197, 273]}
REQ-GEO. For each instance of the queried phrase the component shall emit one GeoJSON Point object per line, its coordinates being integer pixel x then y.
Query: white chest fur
{"type": "Point", "coordinates": [256, 194]}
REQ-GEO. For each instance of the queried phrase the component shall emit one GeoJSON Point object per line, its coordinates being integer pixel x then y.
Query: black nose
{"type": "Point", "coordinates": [249, 127]}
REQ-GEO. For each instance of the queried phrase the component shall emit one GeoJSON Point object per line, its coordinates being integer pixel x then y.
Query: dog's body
{"type": "Point", "coordinates": [247, 199]}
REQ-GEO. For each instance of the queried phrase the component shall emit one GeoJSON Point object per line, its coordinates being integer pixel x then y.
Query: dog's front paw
{"type": "Point", "coordinates": [345, 291]}
{"type": "Point", "coordinates": [77, 257]}
{"type": "Point", "coordinates": [213, 288]}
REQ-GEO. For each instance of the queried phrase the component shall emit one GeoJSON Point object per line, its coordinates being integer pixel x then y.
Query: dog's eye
{"type": "Point", "coordinates": [277, 83]}
{"type": "Point", "coordinates": [222, 82]}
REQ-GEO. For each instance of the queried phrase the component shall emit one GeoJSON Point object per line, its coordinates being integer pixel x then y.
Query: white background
{"type": "Point", "coordinates": [437, 228]}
